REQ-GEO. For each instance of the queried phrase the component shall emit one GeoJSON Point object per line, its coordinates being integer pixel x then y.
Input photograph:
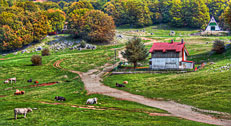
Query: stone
{"type": "Point", "coordinates": [39, 48]}
{"type": "Point", "coordinates": [3, 54]}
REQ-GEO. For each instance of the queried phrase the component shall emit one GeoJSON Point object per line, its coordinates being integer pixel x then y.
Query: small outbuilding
{"type": "Point", "coordinates": [170, 56]}
{"type": "Point", "coordinates": [213, 25]}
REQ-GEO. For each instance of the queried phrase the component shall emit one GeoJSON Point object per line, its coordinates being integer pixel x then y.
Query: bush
{"type": "Point", "coordinates": [82, 44]}
{"type": "Point", "coordinates": [45, 52]}
{"type": "Point", "coordinates": [219, 46]}
{"type": "Point", "coordinates": [36, 60]}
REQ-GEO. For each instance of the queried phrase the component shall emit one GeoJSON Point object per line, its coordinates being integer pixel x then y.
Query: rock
{"type": "Point", "coordinates": [172, 33]}
{"type": "Point", "coordinates": [39, 48]}
{"type": "Point", "coordinates": [65, 76]}
{"type": "Point", "coordinates": [15, 53]}
{"type": "Point", "coordinates": [3, 54]}
{"type": "Point", "coordinates": [23, 51]}
{"type": "Point", "coordinates": [152, 33]}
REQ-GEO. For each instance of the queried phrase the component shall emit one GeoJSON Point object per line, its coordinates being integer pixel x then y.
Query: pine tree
{"type": "Point", "coordinates": [135, 51]}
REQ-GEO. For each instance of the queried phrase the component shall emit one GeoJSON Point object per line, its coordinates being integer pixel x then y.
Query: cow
{"type": "Point", "coordinates": [29, 80]}
{"type": "Point", "coordinates": [59, 98]}
{"type": "Point", "coordinates": [125, 82]}
{"type": "Point", "coordinates": [92, 101]}
{"type": "Point", "coordinates": [36, 82]}
{"type": "Point", "coordinates": [6, 81]}
{"type": "Point", "coordinates": [22, 111]}
{"type": "Point", "coordinates": [119, 85]}
{"type": "Point", "coordinates": [19, 92]}
{"type": "Point", "coordinates": [12, 79]}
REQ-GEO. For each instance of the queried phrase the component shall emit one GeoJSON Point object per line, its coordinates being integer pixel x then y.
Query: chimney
{"type": "Point", "coordinates": [182, 41]}
{"type": "Point", "coordinates": [172, 41]}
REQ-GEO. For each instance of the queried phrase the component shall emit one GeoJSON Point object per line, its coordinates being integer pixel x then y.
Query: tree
{"type": "Point", "coordinates": [76, 19]}
{"type": "Point", "coordinates": [132, 12]}
{"type": "Point", "coordinates": [135, 51]}
{"type": "Point", "coordinates": [219, 46]}
{"type": "Point", "coordinates": [3, 3]}
{"type": "Point", "coordinates": [98, 27]}
{"type": "Point", "coordinates": [56, 18]}
{"type": "Point", "coordinates": [217, 7]}
{"type": "Point", "coordinates": [227, 15]}
{"type": "Point", "coordinates": [197, 14]}
{"type": "Point", "coordinates": [176, 13]}
{"type": "Point", "coordinates": [79, 5]}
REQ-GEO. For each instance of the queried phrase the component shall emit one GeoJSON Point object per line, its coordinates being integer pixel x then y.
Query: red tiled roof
{"type": "Point", "coordinates": [175, 46]}
{"type": "Point", "coordinates": [188, 61]}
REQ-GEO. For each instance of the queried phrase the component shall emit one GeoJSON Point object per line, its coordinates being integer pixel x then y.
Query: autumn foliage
{"type": "Point", "coordinates": [92, 25]}
{"type": "Point", "coordinates": [20, 27]}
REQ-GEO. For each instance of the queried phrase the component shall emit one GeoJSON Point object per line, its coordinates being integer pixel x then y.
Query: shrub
{"type": "Point", "coordinates": [45, 52]}
{"type": "Point", "coordinates": [219, 46]}
{"type": "Point", "coordinates": [82, 44]}
{"type": "Point", "coordinates": [36, 60]}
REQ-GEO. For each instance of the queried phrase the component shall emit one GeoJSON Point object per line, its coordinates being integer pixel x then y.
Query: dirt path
{"type": "Point", "coordinates": [93, 85]}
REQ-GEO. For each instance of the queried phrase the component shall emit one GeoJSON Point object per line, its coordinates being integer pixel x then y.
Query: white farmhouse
{"type": "Point", "coordinates": [170, 56]}
{"type": "Point", "coordinates": [213, 26]}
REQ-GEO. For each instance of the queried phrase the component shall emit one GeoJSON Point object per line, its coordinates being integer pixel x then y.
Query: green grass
{"type": "Point", "coordinates": [207, 88]}
{"type": "Point", "coordinates": [117, 112]}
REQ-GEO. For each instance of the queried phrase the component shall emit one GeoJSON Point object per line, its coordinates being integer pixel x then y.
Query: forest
{"type": "Point", "coordinates": [23, 22]}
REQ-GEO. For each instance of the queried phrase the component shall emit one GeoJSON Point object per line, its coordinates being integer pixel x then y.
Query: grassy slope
{"type": "Point", "coordinates": [20, 66]}
{"type": "Point", "coordinates": [207, 89]}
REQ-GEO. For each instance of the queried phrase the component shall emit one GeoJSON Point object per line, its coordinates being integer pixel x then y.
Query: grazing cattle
{"type": "Point", "coordinates": [59, 98]}
{"type": "Point", "coordinates": [12, 79]}
{"type": "Point", "coordinates": [125, 82]}
{"type": "Point", "coordinates": [19, 92]}
{"type": "Point", "coordinates": [92, 101]}
{"type": "Point", "coordinates": [36, 82]}
{"type": "Point", "coordinates": [29, 80]}
{"type": "Point", "coordinates": [119, 85]}
{"type": "Point", "coordinates": [6, 81]}
{"type": "Point", "coordinates": [22, 111]}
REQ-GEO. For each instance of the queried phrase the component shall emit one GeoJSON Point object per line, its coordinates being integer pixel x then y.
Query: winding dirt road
{"type": "Point", "coordinates": [93, 85]}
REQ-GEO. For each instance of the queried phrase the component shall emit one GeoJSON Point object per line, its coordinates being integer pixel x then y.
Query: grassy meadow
{"type": "Point", "coordinates": [208, 88]}
{"type": "Point", "coordinates": [109, 111]}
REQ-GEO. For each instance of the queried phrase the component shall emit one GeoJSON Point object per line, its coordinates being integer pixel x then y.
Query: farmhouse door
{"type": "Point", "coordinates": [212, 28]}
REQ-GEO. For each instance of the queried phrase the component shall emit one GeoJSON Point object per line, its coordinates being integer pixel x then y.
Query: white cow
{"type": "Point", "coordinates": [6, 81]}
{"type": "Point", "coordinates": [92, 101]}
{"type": "Point", "coordinates": [12, 79]}
{"type": "Point", "coordinates": [23, 111]}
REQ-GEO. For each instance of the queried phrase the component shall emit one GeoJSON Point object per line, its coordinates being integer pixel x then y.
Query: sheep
{"type": "Point", "coordinates": [23, 111]}
{"type": "Point", "coordinates": [119, 85]}
{"type": "Point", "coordinates": [92, 101]}
{"type": "Point", "coordinates": [59, 98]}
